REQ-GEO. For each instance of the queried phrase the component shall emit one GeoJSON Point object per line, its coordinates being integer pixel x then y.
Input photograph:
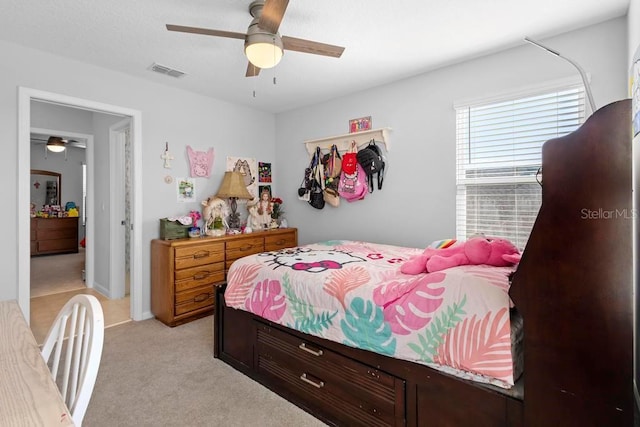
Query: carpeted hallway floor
{"type": "Point", "coordinates": [52, 274]}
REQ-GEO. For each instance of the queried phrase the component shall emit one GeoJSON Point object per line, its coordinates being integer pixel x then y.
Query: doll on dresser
{"type": "Point", "coordinates": [260, 211]}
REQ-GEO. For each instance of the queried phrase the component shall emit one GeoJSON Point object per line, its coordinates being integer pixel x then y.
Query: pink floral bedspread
{"type": "Point", "coordinates": [353, 293]}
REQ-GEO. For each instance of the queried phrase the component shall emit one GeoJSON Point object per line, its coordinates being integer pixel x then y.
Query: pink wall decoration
{"type": "Point", "coordinates": [200, 162]}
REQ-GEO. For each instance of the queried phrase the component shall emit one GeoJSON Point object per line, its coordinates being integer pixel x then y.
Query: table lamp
{"type": "Point", "coordinates": [233, 188]}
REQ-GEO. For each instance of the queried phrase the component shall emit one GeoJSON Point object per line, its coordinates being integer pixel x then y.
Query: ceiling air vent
{"type": "Point", "coordinates": [166, 70]}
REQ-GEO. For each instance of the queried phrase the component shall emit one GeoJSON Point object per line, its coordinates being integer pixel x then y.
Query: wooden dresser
{"type": "Point", "coordinates": [185, 272]}
{"type": "Point", "coordinates": [54, 235]}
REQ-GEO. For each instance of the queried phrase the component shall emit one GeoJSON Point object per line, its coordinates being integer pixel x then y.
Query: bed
{"type": "Point", "coordinates": [400, 352]}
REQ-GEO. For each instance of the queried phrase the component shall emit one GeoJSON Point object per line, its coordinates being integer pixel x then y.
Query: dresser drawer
{"type": "Point", "coordinates": [192, 256]}
{"type": "Point", "coordinates": [280, 241]}
{"type": "Point", "coordinates": [243, 247]}
{"type": "Point", "coordinates": [68, 245]}
{"type": "Point", "coordinates": [329, 381]}
{"type": "Point", "coordinates": [53, 234]}
{"type": "Point", "coordinates": [198, 276]}
{"type": "Point", "coordinates": [56, 223]}
{"type": "Point", "coordinates": [194, 299]}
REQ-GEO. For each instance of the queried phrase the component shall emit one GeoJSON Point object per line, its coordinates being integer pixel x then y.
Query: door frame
{"type": "Point", "coordinates": [25, 96]}
{"type": "Point", "coordinates": [117, 205]}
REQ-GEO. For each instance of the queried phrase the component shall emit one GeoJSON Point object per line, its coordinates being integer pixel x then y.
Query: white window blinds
{"type": "Point", "coordinates": [498, 154]}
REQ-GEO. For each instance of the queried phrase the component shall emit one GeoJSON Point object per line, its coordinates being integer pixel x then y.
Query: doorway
{"type": "Point", "coordinates": [57, 262]}
{"type": "Point", "coordinates": [26, 96]}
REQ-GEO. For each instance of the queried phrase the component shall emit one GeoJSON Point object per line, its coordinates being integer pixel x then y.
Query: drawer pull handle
{"type": "Point", "coordinates": [245, 248]}
{"type": "Point", "coordinates": [280, 242]}
{"type": "Point", "coordinates": [201, 297]}
{"type": "Point", "coordinates": [201, 254]}
{"type": "Point", "coordinates": [304, 347]}
{"type": "Point", "coordinates": [319, 384]}
{"type": "Point", "coordinates": [201, 276]}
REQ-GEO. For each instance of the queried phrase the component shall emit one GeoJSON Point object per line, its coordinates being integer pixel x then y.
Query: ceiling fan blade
{"type": "Point", "coordinates": [252, 70]}
{"type": "Point", "coordinates": [272, 14]}
{"type": "Point", "coordinates": [308, 46]}
{"type": "Point", "coordinates": [206, 31]}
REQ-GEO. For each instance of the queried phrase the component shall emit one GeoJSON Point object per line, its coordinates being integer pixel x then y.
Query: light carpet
{"type": "Point", "coordinates": [154, 375]}
{"type": "Point", "coordinates": [57, 273]}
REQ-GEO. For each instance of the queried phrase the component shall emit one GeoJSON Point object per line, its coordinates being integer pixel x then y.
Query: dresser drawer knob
{"type": "Point", "coordinates": [246, 248]}
{"type": "Point", "coordinates": [304, 347]}
{"type": "Point", "coordinates": [201, 297]}
{"type": "Point", "coordinates": [202, 275]}
{"type": "Point", "coordinates": [201, 254]}
{"type": "Point", "coordinates": [280, 242]}
{"type": "Point", "coordinates": [318, 384]}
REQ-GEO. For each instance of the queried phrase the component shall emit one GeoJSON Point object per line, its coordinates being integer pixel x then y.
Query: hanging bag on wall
{"type": "Point", "coordinates": [332, 162]}
{"type": "Point", "coordinates": [332, 168]}
{"type": "Point", "coordinates": [316, 196]}
{"type": "Point", "coordinates": [372, 162]}
{"type": "Point", "coordinates": [349, 160]}
{"type": "Point", "coordinates": [304, 191]}
{"type": "Point", "coordinates": [331, 196]}
{"type": "Point", "coordinates": [353, 186]}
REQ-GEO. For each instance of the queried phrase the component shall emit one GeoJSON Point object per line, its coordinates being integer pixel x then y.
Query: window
{"type": "Point", "coordinates": [498, 155]}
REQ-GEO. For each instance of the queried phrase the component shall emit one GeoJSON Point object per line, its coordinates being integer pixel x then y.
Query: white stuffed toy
{"type": "Point", "coordinates": [214, 207]}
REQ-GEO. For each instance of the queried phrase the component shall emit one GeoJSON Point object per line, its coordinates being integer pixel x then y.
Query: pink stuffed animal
{"type": "Point", "coordinates": [475, 251]}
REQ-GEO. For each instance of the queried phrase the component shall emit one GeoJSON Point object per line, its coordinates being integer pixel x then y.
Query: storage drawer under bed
{"type": "Point", "coordinates": [351, 391]}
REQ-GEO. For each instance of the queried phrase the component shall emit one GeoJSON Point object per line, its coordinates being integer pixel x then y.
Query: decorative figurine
{"type": "Point", "coordinates": [167, 157]}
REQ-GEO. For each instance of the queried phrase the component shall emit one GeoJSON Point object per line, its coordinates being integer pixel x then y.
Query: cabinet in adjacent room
{"type": "Point", "coordinates": [54, 235]}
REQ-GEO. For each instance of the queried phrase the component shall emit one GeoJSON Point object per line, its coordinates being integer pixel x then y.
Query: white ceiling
{"type": "Point", "coordinates": [384, 40]}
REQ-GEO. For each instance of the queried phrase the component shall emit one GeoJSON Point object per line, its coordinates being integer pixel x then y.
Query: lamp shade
{"type": "Point", "coordinates": [233, 187]}
{"type": "Point", "coordinates": [55, 144]}
{"type": "Point", "coordinates": [263, 49]}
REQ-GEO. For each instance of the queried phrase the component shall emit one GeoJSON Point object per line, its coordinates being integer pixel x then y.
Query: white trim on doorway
{"type": "Point", "coordinates": [25, 96]}
{"type": "Point", "coordinates": [117, 208]}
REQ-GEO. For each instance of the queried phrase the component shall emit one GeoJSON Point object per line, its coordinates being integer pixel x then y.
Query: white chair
{"type": "Point", "coordinates": [79, 330]}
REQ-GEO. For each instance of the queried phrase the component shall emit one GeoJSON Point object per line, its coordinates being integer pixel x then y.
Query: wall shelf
{"type": "Point", "coordinates": [343, 142]}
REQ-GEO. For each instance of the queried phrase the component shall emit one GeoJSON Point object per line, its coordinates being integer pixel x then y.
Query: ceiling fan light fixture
{"type": "Point", "coordinates": [55, 144]}
{"type": "Point", "coordinates": [263, 50]}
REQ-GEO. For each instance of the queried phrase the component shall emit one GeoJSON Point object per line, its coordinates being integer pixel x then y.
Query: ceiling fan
{"type": "Point", "coordinates": [263, 45]}
{"type": "Point", "coordinates": [56, 144]}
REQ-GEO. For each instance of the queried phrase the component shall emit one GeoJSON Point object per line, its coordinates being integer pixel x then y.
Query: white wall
{"type": "Point", "coordinates": [633, 22]}
{"type": "Point", "coordinates": [58, 117]}
{"type": "Point", "coordinates": [417, 202]}
{"type": "Point", "coordinates": [168, 114]}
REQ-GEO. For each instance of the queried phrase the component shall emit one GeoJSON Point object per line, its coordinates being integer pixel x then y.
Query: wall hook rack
{"type": "Point", "coordinates": [343, 142]}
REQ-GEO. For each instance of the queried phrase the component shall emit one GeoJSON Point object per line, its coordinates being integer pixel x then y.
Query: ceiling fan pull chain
{"type": "Point", "coordinates": [274, 59]}
{"type": "Point", "coordinates": [254, 80]}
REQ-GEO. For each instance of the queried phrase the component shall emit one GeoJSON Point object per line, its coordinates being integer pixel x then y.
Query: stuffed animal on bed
{"type": "Point", "coordinates": [475, 251]}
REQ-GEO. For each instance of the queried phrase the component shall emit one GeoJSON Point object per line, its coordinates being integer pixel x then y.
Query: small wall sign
{"type": "Point", "coordinates": [358, 125]}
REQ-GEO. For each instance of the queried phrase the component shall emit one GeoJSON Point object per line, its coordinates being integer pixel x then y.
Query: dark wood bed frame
{"type": "Point", "coordinates": [573, 288]}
